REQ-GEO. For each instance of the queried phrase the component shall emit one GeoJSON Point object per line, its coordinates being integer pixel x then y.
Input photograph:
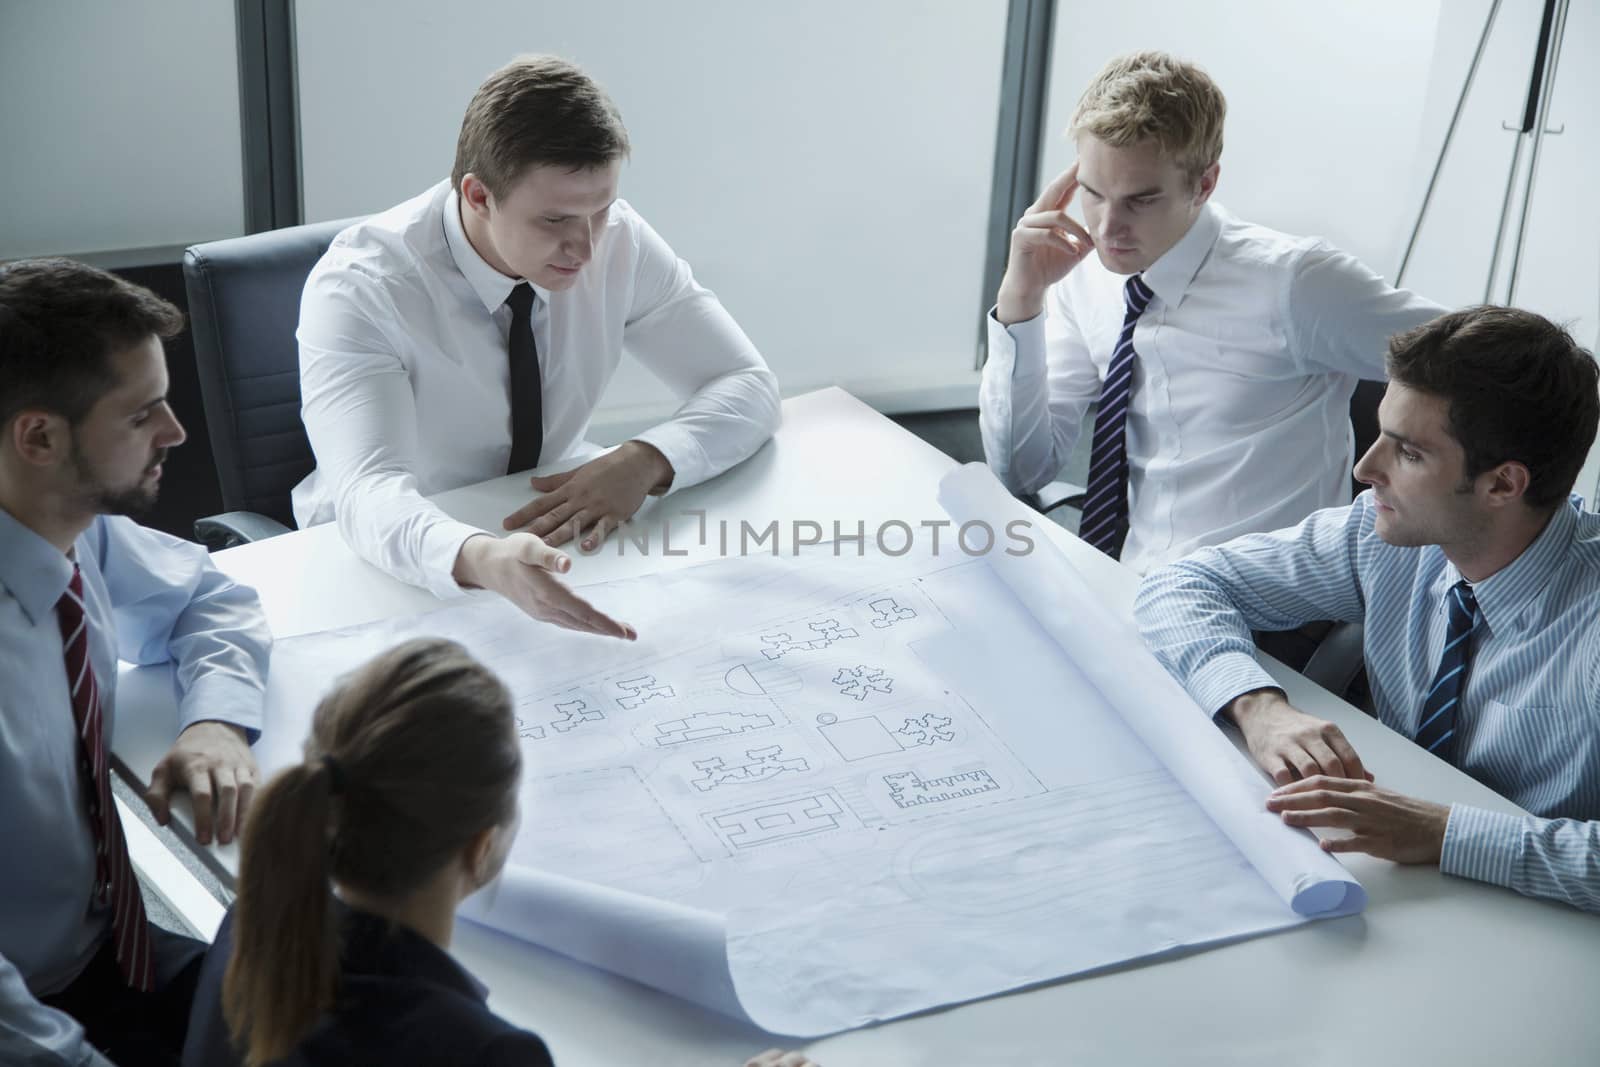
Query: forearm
{"type": "Point", "coordinates": [385, 521]}
{"type": "Point", "coordinates": [1192, 624]}
{"type": "Point", "coordinates": [1556, 859]}
{"type": "Point", "coordinates": [1025, 442]}
{"type": "Point", "coordinates": [722, 423]}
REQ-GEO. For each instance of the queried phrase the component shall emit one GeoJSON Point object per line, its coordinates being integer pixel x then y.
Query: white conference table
{"type": "Point", "coordinates": [1438, 970]}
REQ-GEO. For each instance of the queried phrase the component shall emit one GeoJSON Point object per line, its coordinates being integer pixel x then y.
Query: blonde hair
{"type": "Point", "coordinates": [1155, 96]}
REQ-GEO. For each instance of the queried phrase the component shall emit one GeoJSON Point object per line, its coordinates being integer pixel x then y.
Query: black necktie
{"type": "Point", "coordinates": [527, 396]}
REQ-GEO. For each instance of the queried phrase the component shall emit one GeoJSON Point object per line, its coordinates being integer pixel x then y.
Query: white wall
{"type": "Point", "coordinates": [824, 167]}
{"type": "Point", "coordinates": [119, 125]}
{"type": "Point", "coordinates": [1560, 265]}
{"type": "Point", "coordinates": [1324, 102]}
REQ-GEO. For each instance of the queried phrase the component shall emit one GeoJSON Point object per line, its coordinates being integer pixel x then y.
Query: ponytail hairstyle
{"type": "Point", "coordinates": [409, 758]}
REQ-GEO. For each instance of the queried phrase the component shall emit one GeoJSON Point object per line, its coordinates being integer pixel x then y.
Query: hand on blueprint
{"type": "Point", "coordinates": [1381, 822]}
{"type": "Point", "coordinates": [213, 761]}
{"type": "Point", "coordinates": [1288, 744]}
{"type": "Point", "coordinates": [775, 1057]}
{"type": "Point", "coordinates": [522, 568]}
{"type": "Point", "coordinates": [595, 498]}
{"type": "Point", "coordinates": [1045, 245]}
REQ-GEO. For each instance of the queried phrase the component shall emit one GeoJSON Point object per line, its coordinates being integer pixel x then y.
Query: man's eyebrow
{"type": "Point", "coordinates": [1150, 191]}
{"type": "Point", "coordinates": [157, 402]}
{"type": "Point", "coordinates": [1404, 440]}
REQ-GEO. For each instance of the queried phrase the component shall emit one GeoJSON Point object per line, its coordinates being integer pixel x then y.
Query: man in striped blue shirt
{"type": "Point", "coordinates": [1478, 585]}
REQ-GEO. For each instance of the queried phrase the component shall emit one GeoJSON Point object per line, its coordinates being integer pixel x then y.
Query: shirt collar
{"type": "Point", "coordinates": [1169, 276]}
{"type": "Point", "coordinates": [491, 286]}
{"type": "Point", "coordinates": [1502, 596]}
{"type": "Point", "coordinates": [35, 571]}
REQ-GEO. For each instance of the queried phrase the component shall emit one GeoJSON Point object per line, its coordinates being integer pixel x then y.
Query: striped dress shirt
{"type": "Point", "coordinates": [1528, 722]}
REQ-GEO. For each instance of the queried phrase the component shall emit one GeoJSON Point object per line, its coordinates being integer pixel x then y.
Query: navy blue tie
{"type": "Point", "coordinates": [1437, 733]}
{"type": "Point", "coordinates": [1105, 501]}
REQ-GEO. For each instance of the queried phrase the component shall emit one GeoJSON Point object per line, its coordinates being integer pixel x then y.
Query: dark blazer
{"type": "Point", "coordinates": [402, 1000]}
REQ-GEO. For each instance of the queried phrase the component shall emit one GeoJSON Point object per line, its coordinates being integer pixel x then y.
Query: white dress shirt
{"type": "Point", "coordinates": [405, 380]}
{"type": "Point", "coordinates": [149, 598]}
{"type": "Point", "coordinates": [1240, 415]}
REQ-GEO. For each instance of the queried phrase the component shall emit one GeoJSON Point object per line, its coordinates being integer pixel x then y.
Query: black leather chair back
{"type": "Point", "coordinates": [244, 303]}
{"type": "Point", "coordinates": [1364, 419]}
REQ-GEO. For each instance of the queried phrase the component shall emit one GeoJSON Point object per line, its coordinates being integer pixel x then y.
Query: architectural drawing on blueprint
{"type": "Point", "coordinates": [778, 820]}
{"type": "Point", "coordinates": [641, 690]}
{"type": "Point", "coordinates": [859, 739]}
{"type": "Point", "coordinates": [823, 634]}
{"type": "Point", "coordinates": [908, 790]}
{"type": "Point", "coordinates": [928, 729]}
{"type": "Point", "coordinates": [761, 680]}
{"type": "Point", "coordinates": [573, 713]}
{"type": "Point", "coordinates": [759, 765]}
{"type": "Point", "coordinates": [705, 724]}
{"type": "Point", "coordinates": [887, 612]}
{"type": "Point", "coordinates": [529, 731]}
{"type": "Point", "coordinates": [858, 681]}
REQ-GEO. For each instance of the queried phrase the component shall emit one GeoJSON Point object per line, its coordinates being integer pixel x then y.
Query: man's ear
{"type": "Point", "coordinates": [1507, 483]}
{"type": "Point", "coordinates": [39, 438]}
{"type": "Point", "coordinates": [1208, 183]}
{"type": "Point", "coordinates": [475, 195]}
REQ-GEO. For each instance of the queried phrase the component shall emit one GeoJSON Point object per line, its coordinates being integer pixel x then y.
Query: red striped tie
{"type": "Point", "coordinates": [114, 877]}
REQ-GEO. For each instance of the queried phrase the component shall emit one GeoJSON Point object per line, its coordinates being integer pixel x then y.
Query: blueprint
{"type": "Point", "coordinates": [834, 789]}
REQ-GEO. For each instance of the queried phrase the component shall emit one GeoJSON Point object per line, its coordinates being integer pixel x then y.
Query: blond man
{"type": "Point", "coordinates": [1221, 355]}
{"type": "Point", "coordinates": [471, 331]}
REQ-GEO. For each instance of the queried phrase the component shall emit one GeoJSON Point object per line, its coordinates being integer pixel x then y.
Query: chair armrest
{"type": "Point", "coordinates": [233, 528]}
{"type": "Point", "coordinates": [1055, 495]}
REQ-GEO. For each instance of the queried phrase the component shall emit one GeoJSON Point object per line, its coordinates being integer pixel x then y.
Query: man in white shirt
{"type": "Point", "coordinates": [1222, 355]}
{"type": "Point", "coordinates": [471, 331]}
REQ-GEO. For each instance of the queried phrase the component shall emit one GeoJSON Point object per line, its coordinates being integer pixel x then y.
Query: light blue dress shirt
{"type": "Point", "coordinates": [1528, 724]}
{"type": "Point", "coordinates": [150, 598]}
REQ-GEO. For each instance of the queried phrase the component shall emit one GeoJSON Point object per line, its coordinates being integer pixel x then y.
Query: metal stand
{"type": "Point", "coordinates": [1530, 134]}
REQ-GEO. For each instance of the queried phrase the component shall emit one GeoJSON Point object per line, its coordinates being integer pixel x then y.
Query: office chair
{"type": "Point", "coordinates": [244, 303]}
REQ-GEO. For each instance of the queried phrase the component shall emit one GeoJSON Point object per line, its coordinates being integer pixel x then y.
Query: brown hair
{"type": "Point", "coordinates": [536, 111]}
{"type": "Point", "coordinates": [60, 323]}
{"type": "Point", "coordinates": [1147, 96]}
{"type": "Point", "coordinates": [1519, 389]}
{"type": "Point", "coordinates": [409, 758]}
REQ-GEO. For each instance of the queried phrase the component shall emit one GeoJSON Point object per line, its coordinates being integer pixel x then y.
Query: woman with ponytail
{"type": "Point", "coordinates": [352, 865]}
